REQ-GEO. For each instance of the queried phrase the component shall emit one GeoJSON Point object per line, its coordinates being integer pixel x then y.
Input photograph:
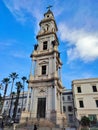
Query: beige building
{"type": "Point", "coordinates": [85, 94]}
{"type": "Point", "coordinates": [45, 83]}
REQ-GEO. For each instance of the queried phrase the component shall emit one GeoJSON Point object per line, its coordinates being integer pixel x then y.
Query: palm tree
{"type": "Point", "coordinates": [19, 87]}
{"type": "Point", "coordinates": [23, 79]}
{"type": "Point", "coordinates": [5, 81]}
{"type": "Point", "coordinates": [12, 96]}
{"type": "Point", "coordinates": [0, 102]}
{"type": "Point", "coordinates": [13, 76]}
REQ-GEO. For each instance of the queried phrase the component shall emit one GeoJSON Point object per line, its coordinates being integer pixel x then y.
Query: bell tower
{"type": "Point", "coordinates": [45, 81]}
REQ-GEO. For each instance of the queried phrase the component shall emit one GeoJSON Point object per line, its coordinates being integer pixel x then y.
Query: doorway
{"type": "Point", "coordinates": [41, 107]}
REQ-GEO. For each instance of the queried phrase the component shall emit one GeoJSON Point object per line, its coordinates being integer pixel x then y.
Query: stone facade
{"type": "Point", "coordinates": [44, 83]}
{"type": "Point", "coordinates": [85, 94]}
{"type": "Point", "coordinates": [82, 90]}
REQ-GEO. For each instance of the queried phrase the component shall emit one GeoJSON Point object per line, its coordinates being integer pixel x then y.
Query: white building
{"type": "Point", "coordinates": [81, 101]}
{"type": "Point", "coordinates": [21, 105]}
{"type": "Point", "coordinates": [85, 94]}
{"type": "Point", "coordinates": [68, 108]}
{"type": "Point", "coordinates": [45, 83]}
{"type": "Point", "coordinates": [45, 90]}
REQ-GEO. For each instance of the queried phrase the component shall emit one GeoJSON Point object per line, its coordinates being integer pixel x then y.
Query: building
{"type": "Point", "coordinates": [46, 99]}
{"type": "Point", "coordinates": [81, 101]}
{"type": "Point", "coordinates": [21, 105]}
{"type": "Point", "coordinates": [68, 108]}
{"type": "Point", "coordinates": [85, 94]}
{"type": "Point", "coordinates": [45, 83]}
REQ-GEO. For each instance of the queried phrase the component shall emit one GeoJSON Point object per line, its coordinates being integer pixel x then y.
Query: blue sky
{"type": "Point", "coordinates": [77, 22]}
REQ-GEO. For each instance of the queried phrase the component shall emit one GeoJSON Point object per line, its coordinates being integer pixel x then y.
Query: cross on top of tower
{"type": "Point", "coordinates": [50, 6]}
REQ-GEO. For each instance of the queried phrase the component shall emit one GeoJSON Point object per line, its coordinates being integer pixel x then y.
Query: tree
{"type": "Point", "coordinates": [13, 76]}
{"type": "Point", "coordinates": [0, 97]}
{"type": "Point", "coordinates": [19, 87]}
{"type": "Point", "coordinates": [12, 96]}
{"type": "Point", "coordinates": [1, 102]}
{"type": "Point", "coordinates": [5, 81]}
{"type": "Point", "coordinates": [85, 121]}
{"type": "Point", "coordinates": [24, 80]}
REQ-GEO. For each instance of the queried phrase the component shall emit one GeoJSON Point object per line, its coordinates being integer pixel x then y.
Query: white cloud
{"type": "Point", "coordinates": [24, 10]}
{"type": "Point", "coordinates": [82, 44]}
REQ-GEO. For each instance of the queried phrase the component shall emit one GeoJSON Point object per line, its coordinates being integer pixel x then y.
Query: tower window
{"type": "Point", "coordinates": [94, 88]}
{"type": "Point", "coordinates": [81, 104]}
{"type": "Point", "coordinates": [79, 89]}
{"type": "Point", "coordinates": [45, 45]}
{"type": "Point", "coordinates": [43, 69]}
{"type": "Point", "coordinates": [96, 103]}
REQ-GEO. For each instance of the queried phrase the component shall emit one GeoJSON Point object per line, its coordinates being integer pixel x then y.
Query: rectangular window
{"type": "Point", "coordinates": [79, 89]}
{"type": "Point", "coordinates": [63, 98]}
{"type": "Point", "coordinates": [68, 98]}
{"type": "Point", "coordinates": [43, 69]}
{"type": "Point", "coordinates": [64, 109]}
{"type": "Point", "coordinates": [6, 102]}
{"type": "Point", "coordinates": [70, 117]}
{"type": "Point", "coordinates": [94, 88]}
{"type": "Point", "coordinates": [96, 103]}
{"type": "Point", "coordinates": [70, 108]}
{"type": "Point", "coordinates": [45, 45]}
{"type": "Point", "coordinates": [81, 104]}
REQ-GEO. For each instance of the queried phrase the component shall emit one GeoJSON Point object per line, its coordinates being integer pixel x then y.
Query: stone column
{"type": "Point", "coordinates": [54, 64]}
{"type": "Point", "coordinates": [31, 100]}
{"type": "Point", "coordinates": [61, 103]}
{"type": "Point", "coordinates": [49, 67]}
{"type": "Point", "coordinates": [34, 66]}
{"type": "Point", "coordinates": [27, 99]}
{"type": "Point", "coordinates": [55, 98]}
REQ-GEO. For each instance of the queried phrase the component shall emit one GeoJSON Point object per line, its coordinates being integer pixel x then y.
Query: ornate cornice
{"type": "Point", "coordinates": [47, 33]}
{"type": "Point", "coordinates": [43, 80]}
{"type": "Point", "coordinates": [43, 53]}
